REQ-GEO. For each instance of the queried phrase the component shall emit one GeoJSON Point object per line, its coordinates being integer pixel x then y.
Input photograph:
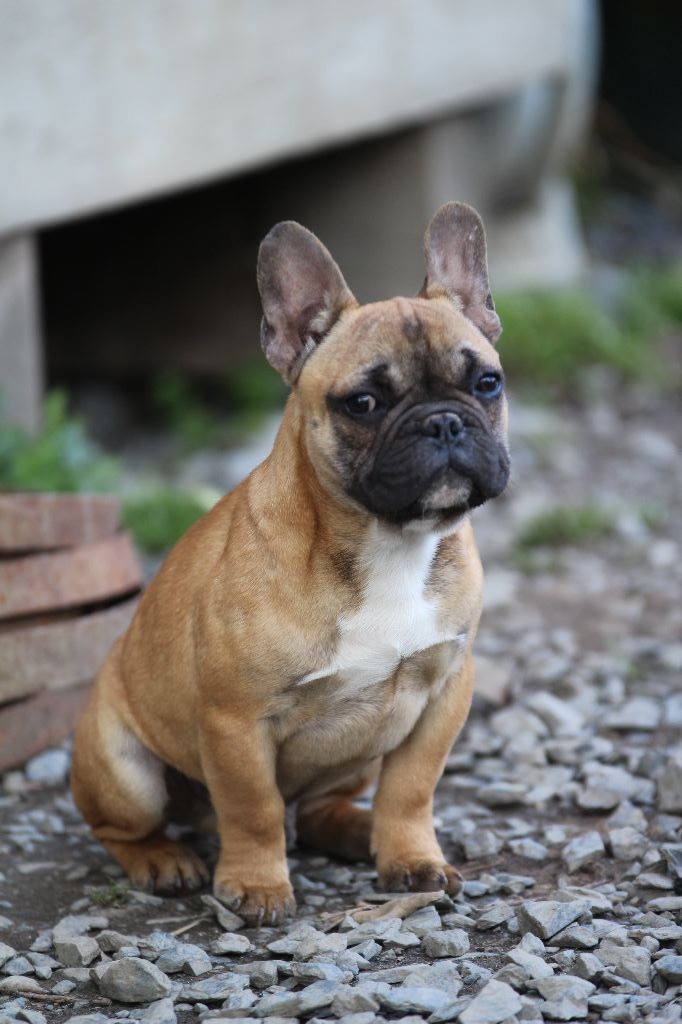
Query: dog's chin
{"type": "Point", "coordinates": [451, 492]}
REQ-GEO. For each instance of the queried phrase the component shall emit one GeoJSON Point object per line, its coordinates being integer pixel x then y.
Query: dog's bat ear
{"type": "Point", "coordinates": [303, 294]}
{"type": "Point", "coordinates": [457, 266]}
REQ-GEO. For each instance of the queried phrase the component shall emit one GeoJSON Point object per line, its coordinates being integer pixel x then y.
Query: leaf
{"type": "Point", "coordinates": [399, 906]}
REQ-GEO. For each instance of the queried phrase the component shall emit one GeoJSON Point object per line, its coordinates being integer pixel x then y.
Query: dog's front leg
{"type": "Point", "coordinates": [251, 876]}
{"type": "Point", "coordinates": [403, 840]}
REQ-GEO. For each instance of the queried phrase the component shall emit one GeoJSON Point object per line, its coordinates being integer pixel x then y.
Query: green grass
{"type": "Point", "coordinates": [551, 338]}
{"type": "Point", "coordinates": [158, 516]}
{"type": "Point", "coordinates": [564, 526]}
{"type": "Point", "coordinates": [115, 894]}
{"type": "Point", "coordinates": [60, 458]}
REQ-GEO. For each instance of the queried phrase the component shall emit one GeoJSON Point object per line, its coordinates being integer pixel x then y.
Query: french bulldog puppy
{"type": "Point", "coordinates": [312, 634]}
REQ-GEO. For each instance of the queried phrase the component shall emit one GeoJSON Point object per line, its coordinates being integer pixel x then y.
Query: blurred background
{"type": "Point", "coordinates": [146, 148]}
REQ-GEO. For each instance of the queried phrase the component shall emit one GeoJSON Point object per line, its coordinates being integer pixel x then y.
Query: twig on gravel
{"type": "Point", "coordinates": [49, 997]}
{"type": "Point", "coordinates": [188, 927]}
{"type": "Point", "coordinates": [175, 920]}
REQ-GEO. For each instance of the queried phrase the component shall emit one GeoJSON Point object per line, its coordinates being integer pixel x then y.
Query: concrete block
{"type": "Point", "coordinates": [21, 365]}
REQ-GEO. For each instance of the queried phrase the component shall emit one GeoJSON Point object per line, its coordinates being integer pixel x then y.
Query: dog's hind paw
{"type": "Point", "coordinates": [160, 865]}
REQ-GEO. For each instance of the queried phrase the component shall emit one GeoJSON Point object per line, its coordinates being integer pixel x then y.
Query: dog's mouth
{"type": "Point", "coordinates": [437, 473]}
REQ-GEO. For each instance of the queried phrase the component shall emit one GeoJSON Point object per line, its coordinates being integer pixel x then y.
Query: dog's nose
{"type": "Point", "coordinates": [443, 426]}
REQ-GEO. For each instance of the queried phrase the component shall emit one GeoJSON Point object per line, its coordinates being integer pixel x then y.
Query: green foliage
{"type": "Point", "coordinates": [115, 894]}
{"type": "Point", "coordinates": [252, 391]}
{"type": "Point", "coordinates": [551, 338]}
{"type": "Point", "coordinates": [255, 385]}
{"type": "Point", "coordinates": [60, 458]}
{"type": "Point", "coordinates": [159, 516]}
{"type": "Point", "coordinates": [195, 424]}
{"type": "Point", "coordinates": [562, 526]}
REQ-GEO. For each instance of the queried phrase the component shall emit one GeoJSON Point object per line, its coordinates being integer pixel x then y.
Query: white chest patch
{"type": "Point", "coordinates": [396, 618]}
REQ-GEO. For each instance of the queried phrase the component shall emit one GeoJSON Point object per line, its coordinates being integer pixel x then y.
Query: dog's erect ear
{"type": "Point", "coordinates": [303, 294]}
{"type": "Point", "coordinates": [457, 266]}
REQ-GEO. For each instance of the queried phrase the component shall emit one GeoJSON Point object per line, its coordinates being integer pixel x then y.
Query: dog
{"type": "Point", "coordinates": [312, 634]}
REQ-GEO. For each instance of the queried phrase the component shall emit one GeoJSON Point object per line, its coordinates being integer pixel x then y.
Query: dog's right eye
{"type": "Point", "coordinates": [361, 404]}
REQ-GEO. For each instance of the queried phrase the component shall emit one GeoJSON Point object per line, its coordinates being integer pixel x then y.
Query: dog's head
{"type": "Point", "coordinates": [401, 402]}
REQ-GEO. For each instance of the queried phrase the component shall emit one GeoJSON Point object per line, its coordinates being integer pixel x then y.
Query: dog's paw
{"type": "Point", "coordinates": [420, 876]}
{"type": "Point", "coordinates": [256, 903]}
{"type": "Point", "coordinates": [161, 865]}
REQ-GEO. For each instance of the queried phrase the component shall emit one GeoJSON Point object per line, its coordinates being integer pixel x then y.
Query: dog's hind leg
{"type": "Point", "coordinates": [331, 822]}
{"type": "Point", "coordinates": [119, 787]}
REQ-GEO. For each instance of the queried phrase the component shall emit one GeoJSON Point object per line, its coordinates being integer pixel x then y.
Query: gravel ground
{"type": "Point", "coordinates": [562, 803]}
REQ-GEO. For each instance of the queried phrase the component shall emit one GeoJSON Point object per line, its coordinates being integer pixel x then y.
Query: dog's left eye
{"type": "Point", "coordinates": [361, 404]}
{"type": "Point", "coordinates": [488, 385]}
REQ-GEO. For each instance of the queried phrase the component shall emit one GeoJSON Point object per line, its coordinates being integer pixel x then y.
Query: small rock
{"type": "Point", "coordinates": [298, 1004]}
{"type": "Point", "coordinates": [110, 941]}
{"type": "Point", "coordinates": [89, 1018]}
{"type": "Point", "coordinates": [565, 997]}
{"type": "Point", "coordinates": [532, 944]}
{"type": "Point", "coordinates": [51, 767]}
{"type": "Point", "coordinates": [638, 714]}
{"type": "Point", "coordinates": [652, 880]}
{"type": "Point", "coordinates": [617, 780]}
{"type": "Point", "coordinates": [318, 972]}
{"type": "Point", "coordinates": [534, 966]}
{"type": "Point", "coordinates": [495, 915]}
{"type": "Point", "coordinates": [214, 989]}
{"type": "Point", "coordinates": [494, 1003]}
{"type": "Point", "coordinates": [449, 942]}
{"type": "Point", "coordinates": [576, 937]}
{"type": "Point", "coordinates": [358, 1018]}
{"type": "Point", "coordinates": [670, 967]}
{"type": "Point", "coordinates": [423, 921]}
{"type": "Point", "coordinates": [673, 855]}
{"type": "Point", "coordinates": [261, 973]}
{"type": "Point", "coordinates": [443, 975]}
{"type": "Point", "coordinates": [516, 721]}
{"type": "Point", "coordinates": [414, 999]}
{"type": "Point", "coordinates": [562, 719]}
{"type": "Point", "coordinates": [6, 953]}
{"type": "Point", "coordinates": [670, 786]}
{"type": "Point", "coordinates": [587, 966]}
{"type": "Point", "coordinates": [228, 921]}
{"type": "Point", "coordinates": [582, 850]}
{"type": "Point", "coordinates": [63, 988]}
{"type": "Point", "coordinates": [184, 956]}
{"type": "Point", "coordinates": [320, 944]}
{"type": "Point", "coordinates": [528, 848]}
{"type": "Point", "coordinates": [75, 924]}
{"type": "Point", "coordinates": [627, 815]}
{"type": "Point", "coordinates": [230, 942]}
{"type": "Point", "coordinates": [77, 951]}
{"type": "Point", "coordinates": [627, 843]}
{"type": "Point", "coordinates": [545, 918]}
{"type": "Point", "coordinates": [481, 844]}
{"type": "Point", "coordinates": [501, 794]}
{"type": "Point", "coordinates": [159, 1012]}
{"type": "Point", "coordinates": [134, 980]}
{"type": "Point", "coordinates": [19, 983]}
{"type": "Point", "coordinates": [359, 999]}
{"type": "Point", "coordinates": [31, 1016]}
{"type": "Point", "coordinates": [665, 903]}
{"type": "Point", "coordinates": [630, 962]}
{"type": "Point", "coordinates": [18, 965]}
